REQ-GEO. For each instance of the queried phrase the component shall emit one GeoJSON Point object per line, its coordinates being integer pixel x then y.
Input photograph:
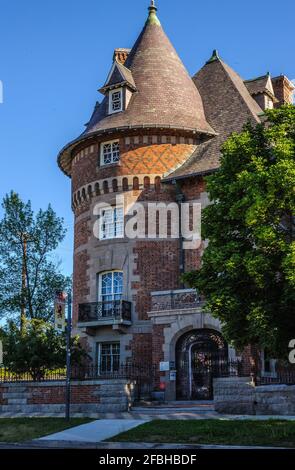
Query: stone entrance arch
{"type": "Point", "coordinates": [174, 324]}
{"type": "Point", "coordinates": [199, 355]}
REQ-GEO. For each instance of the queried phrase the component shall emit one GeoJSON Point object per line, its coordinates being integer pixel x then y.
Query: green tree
{"type": "Point", "coordinates": [29, 276]}
{"type": "Point", "coordinates": [248, 269]}
{"type": "Point", "coordinates": [38, 349]}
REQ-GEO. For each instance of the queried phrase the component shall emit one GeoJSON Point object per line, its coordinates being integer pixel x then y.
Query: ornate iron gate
{"type": "Point", "coordinates": [201, 355]}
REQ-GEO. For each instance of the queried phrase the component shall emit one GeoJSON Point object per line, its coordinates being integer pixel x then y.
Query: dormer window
{"type": "Point", "coordinates": [115, 101]}
{"type": "Point", "coordinates": [109, 152]}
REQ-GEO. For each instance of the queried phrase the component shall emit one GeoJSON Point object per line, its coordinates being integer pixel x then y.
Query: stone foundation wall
{"type": "Point", "coordinates": [234, 395]}
{"type": "Point", "coordinates": [240, 396]}
{"type": "Point", "coordinates": [275, 400]}
{"type": "Point", "coordinates": [95, 396]}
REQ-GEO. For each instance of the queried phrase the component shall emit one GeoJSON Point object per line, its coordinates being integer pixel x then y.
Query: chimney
{"type": "Point", "coordinates": [121, 55]}
{"type": "Point", "coordinates": [283, 90]}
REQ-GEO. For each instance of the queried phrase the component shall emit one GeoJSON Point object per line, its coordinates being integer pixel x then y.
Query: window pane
{"type": "Point", "coordinates": [119, 222]}
{"type": "Point", "coordinates": [106, 284]}
{"type": "Point", "coordinates": [110, 152]}
{"type": "Point", "coordinates": [109, 357]}
{"type": "Point", "coordinates": [111, 288]}
{"type": "Point", "coordinates": [111, 223]}
{"type": "Point", "coordinates": [118, 284]}
{"type": "Point", "coordinates": [116, 101]}
{"type": "Point", "coordinates": [107, 153]}
{"type": "Point", "coordinates": [116, 152]}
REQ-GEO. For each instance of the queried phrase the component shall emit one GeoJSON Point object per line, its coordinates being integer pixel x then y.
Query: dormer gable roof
{"type": "Point", "coordinates": [119, 75]}
{"type": "Point", "coordinates": [260, 85]}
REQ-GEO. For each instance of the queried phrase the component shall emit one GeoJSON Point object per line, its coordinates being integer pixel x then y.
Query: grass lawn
{"type": "Point", "coordinates": [25, 429]}
{"type": "Point", "coordinates": [212, 431]}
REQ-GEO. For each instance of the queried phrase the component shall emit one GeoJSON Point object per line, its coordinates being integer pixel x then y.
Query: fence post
{"type": "Point", "coordinates": [68, 373]}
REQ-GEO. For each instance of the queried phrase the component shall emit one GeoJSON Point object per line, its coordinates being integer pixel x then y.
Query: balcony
{"type": "Point", "coordinates": [180, 299]}
{"type": "Point", "coordinates": [115, 312]}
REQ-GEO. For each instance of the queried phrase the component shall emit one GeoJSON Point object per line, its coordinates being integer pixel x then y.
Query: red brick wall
{"type": "Point", "coordinates": [134, 159]}
{"type": "Point", "coordinates": [193, 187]}
{"type": "Point", "coordinates": [251, 360]}
{"type": "Point", "coordinates": [141, 347]}
{"type": "Point", "coordinates": [80, 280]}
{"type": "Point", "coordinates": [56, 394]}
{"type": "Point", "coordinates": [283, 90]}
{"type": "Point", "coordinates": [157, 265]}
{"type": "Point", "coordinates": [158, 353]}
{"type": "Point", "coordinates": [82, 232]}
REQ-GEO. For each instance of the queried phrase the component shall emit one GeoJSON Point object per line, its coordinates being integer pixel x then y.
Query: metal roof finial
{"type": "Point", "coordinates": [153, 19]}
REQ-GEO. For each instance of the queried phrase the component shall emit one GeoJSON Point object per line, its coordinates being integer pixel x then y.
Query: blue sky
{"type": "Point", "coordinates": [55, 54]}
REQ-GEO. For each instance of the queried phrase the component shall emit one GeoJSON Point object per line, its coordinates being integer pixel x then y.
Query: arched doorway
{"type": "Point", "coordinates": [200, 356]}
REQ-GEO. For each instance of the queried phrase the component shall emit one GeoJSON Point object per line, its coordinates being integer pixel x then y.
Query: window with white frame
{"type": "Point", "coordinates": [110, 291]}
{"type": "Point", "coordinates": [115, 101]}
{"type": "Point", "coordinates": [108, 357]}
{"type": "Point", "coordinates": [110, 286]}
{"type": "Point", "coordinates": [109, 152]}
{"type": "Point", "coordinates": [111, 223]}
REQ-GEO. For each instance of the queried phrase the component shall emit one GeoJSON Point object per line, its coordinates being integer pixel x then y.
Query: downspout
{"type": "Point", "coordinates": [180, 198]}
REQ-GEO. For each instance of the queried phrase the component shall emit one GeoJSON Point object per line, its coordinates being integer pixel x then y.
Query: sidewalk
{"type": "Point", "coordinates": [96, 431]}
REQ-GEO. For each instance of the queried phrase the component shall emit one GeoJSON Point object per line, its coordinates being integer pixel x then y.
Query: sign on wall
{"type": "Point", "coordinates": [164, 366]}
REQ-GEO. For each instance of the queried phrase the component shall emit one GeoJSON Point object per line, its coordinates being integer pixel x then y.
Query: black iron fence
{"type": "Point", "coordinates": [129, 371]}
{"type": "Point", "coordinates": [150, 373]}
{"type": "Point", "coordinates": [281, 375]}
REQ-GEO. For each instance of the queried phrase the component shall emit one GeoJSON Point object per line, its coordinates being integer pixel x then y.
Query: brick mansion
{"type": "Point", "coordinates": [152, 138]}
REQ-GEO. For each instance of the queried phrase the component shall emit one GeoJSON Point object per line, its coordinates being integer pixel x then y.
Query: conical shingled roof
{"type": "Point", "coordinates": [166, 94]}
{"type": "Point", "coordinates": [228, 107]}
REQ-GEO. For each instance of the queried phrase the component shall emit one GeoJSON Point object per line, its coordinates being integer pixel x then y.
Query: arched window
{"type": "Point", "coordinates": [146, 182]}
{"type": "Point", "coordinates": [110, 289]}
{"type": "Point", "coordinates": [125, 184]}
{"type": "Point", "coordinates": [115, 185]}
{"type": "Point", "coordinates": [157, 183]}
{"type": "Point", "coordinates": [135, 183]}
{"type": "Point", "coordinates": [97, 190]}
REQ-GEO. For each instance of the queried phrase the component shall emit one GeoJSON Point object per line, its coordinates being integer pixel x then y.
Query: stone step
{"type": "Point", "coordinates": [13, 408]}
{"type": "Point", "coordinates": [105, 393]}
{"type": "Point", "coordinates": [15, 395]}
{"type": "Point", "coordinates": [16, 401]}
{"type": "Point", "coordinates": [75, 408]}
{"type": "Point", "coordinates": [113, 400]}
{"type": "Point", "coordinates": [159, 410]}
{"type": "Point", "coordinates": [16, 388]}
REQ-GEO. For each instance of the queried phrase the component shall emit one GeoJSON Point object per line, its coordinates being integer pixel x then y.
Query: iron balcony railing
{"type": "Point", "coordinates": [118, 310]}
{"type": "Point", "coordinates": [175, 299]}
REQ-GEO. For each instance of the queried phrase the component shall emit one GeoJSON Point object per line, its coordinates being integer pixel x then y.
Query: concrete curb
{"type": "Point", "coordinates": [44, 444]}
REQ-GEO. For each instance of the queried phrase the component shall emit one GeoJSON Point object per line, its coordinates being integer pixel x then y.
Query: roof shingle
{"type": "Point", "coordinates": [228, 106]}
{"type": "Point", "coordinates": [166, 96]}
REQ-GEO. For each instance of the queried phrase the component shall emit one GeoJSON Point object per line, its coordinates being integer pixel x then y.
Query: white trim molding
{"type": "Point", "coordinates": [116, 100]}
